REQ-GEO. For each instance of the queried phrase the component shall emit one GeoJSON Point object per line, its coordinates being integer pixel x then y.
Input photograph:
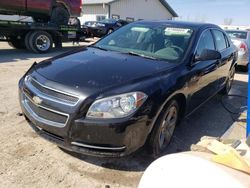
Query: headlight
{"type": "Point", "coordinates": [116, 106]}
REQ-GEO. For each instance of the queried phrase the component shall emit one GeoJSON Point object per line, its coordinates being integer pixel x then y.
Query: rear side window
{"type": "Point", "coordinates": [206, 42]}
{"type": "Point", "coordinates": [220, 40]}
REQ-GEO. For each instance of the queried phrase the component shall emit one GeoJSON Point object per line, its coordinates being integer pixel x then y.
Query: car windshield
{"type": "Point", "coordinates": [108, 21]}
{"type": "Point", "coordinates": [156, 42]}
{"type": "Point", "coordinates": [237, 34]}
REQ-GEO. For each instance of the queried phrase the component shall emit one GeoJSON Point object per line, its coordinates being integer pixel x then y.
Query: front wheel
{"type": "Point", "coordinates": [164, 128]}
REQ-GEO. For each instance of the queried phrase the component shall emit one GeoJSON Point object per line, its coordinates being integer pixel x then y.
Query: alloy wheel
{"type": "Point", "coordinates": [230, 80]}
{"type": "Point", "coordinates": [168, 126]}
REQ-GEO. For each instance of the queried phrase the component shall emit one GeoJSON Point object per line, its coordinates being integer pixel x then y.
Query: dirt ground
{"type": "Point", "coordinates": [26, 160]}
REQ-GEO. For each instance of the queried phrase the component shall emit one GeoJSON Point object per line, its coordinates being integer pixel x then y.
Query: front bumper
{"type": "Point", "coordinates": [107, 138]}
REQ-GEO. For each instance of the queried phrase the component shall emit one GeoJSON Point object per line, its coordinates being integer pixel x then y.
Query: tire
{"type": "Point", "coordinates": [40, 42]}
{"type": "Point", "coordinates": [163, 129]}
{"type": "Point", "coordinates": [27, 39]}
{"type": "Point", "coordinates": [17, 43]}
{"type": "Point", "coordinates": [229, 83]}
{"type": "Point", "coordinates": [59, 16]}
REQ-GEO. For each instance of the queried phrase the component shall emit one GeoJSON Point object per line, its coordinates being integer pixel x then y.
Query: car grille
{"type": "Point", "coordinates": [43, 114]}
{"type": "Point", "coordinates": [43, 103]}
{"type": "Point", "coordinates": [47, 114]}
{"type": "Point", "coordinates": [53, 93]}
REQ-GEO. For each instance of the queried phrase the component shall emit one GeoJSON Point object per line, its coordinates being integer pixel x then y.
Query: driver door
{"type": "Point", "coordinates": [203, 82]}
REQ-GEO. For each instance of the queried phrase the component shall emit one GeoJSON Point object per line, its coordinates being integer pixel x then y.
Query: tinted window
{"type": "Point", "coordinates": [220, 40]}
{"type": "Point", "coordinates": [206, 42]}
{"type": "Point", "coordinates": [159, 42]}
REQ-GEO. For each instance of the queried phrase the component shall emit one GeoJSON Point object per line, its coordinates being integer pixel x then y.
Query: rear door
{"type": "Point", "coordinates": [227, 53]}
{"type": "Point", "coordinates": [13, 5]}
{"type": "Point", "coordinates": [40, 6]}
{"type": "Point", "coordinates": [203, 78]}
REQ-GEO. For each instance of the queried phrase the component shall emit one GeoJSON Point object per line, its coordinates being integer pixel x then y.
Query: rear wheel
{"type": "Point", "coordinates": [60, 16]}
{"type": "Point", "coordinates": [27, 39]}
{"type": "Point", "coordinates": [229, 83]}
{"type": "Point", "coordinates": [164, 128]}
{"type": "Point", "coordinates": [40, 42]}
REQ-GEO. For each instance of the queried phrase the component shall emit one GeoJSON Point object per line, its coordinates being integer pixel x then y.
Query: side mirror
{"type": "Point", "coordinates": [207, 55]}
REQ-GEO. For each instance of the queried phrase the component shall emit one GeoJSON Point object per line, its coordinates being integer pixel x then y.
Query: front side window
{"type": "Point", "coordinates": [220, 40]}
{"type": "Point", "coordinates": [159, 42]}
{"type": "Point", "coordinates": [206, 42]}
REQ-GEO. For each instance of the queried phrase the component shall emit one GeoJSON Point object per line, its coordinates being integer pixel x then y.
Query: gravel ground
{"type": "Point", "coordinates": [27, 160]}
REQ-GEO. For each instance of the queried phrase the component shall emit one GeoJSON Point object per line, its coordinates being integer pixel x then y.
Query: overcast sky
{"type": "Point", "coordinates": [213, 11]}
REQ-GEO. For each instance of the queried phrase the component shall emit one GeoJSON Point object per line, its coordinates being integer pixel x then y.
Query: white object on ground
{"type": "Point", "coordinates": [191, 169]}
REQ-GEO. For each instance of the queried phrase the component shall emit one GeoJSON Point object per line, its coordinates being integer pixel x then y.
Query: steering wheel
{"type": "Point", "coordinates": [178, 49]}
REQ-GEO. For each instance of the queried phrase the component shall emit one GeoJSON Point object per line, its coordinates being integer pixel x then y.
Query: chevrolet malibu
{"type": "Point", "coordinates": [129, 89]}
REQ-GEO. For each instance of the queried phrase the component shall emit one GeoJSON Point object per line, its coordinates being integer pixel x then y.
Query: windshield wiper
{"type": "Point", "coordinates": [98, 47]}
{"type": "Point", "coordinates": [142, 55]}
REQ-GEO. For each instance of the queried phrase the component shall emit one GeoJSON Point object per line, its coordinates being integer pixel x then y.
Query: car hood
{"type": "Point", "coordinates": [95, 69]}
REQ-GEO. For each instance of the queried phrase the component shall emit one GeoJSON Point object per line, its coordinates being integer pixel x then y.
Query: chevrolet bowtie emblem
{"type": "Point", "coordinates": [37, 100]}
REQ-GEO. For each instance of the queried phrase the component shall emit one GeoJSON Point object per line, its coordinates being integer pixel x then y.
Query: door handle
{"type": "Point", "coordinates": [210, 68]}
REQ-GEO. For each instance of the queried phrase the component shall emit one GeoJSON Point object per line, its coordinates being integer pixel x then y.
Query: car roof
{"type": "Point", "coordinates": [193, 25]}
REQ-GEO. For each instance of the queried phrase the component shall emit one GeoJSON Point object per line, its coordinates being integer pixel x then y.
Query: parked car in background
{"type": "Point", "coordinates": [128, 89]}
{"type": "Point", "coordinates": [55, 11]}
{"type": "Point", "coordinates": [104, 27]}
{"type": "Point", "coordinates": [241, 40]}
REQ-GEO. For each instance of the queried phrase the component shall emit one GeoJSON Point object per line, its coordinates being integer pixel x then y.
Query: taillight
{"type": "Point", "coordinates": [243, 47]}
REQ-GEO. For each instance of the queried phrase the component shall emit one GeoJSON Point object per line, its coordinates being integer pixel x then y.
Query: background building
{"type": "Point", "coordinates": [131, 10]}
{"type": "Point", "coordinates": [235, 27]}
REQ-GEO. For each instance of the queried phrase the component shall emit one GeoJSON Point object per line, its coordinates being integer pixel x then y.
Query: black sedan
{"type": "Point", "coordinates": [129, 89]}
{"type": "Point", "coordinates": [104, 27]}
